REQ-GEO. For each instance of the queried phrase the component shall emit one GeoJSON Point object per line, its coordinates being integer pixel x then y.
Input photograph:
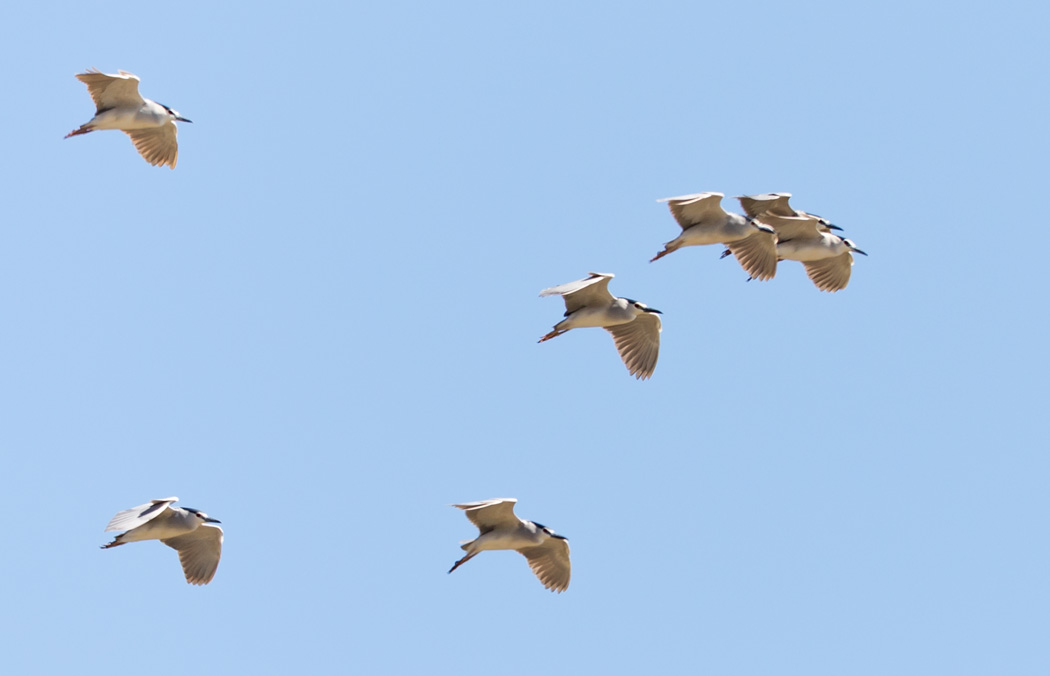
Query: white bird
{"type": "Point", "coordinates": [150, 125]}
{"type": "Point", "coordinates": [546, 552]}
{"type": "Point", "coordinates": [634, 326]}
{"type": "Point", "coordinates": [704, 221]}
{"type": "Point", "coordinates": [188, 531]}
{"type": "Point", "coordinates": [826, 256]}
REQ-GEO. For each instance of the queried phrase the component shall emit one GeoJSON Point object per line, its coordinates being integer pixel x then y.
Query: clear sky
{"type": "Point", "coordinates": [321, 329]}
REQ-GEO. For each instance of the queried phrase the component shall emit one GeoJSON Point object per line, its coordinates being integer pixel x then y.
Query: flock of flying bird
{"type": "Point", "coordinates": [770, 231]}
{"type": "Point", "coordinates": [194, 535]}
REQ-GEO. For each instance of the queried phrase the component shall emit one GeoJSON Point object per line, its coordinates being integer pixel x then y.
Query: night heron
{"type": "Point", "coordinates": [827, 257]}
{"type": "Point", "coordinates": [546, 552]}
{"type": "Point", "coordinates": [188, 531]}
{"type": "Point", "coordinates": [150, 125]}
{"type": "Point", "coordinates": [634, 326]}
{"type": "Point", "coordinates": [704, 221]}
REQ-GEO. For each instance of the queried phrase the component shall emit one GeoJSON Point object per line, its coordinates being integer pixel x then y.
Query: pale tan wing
{"type": "Point", "coordinates": [112, 91]}
{"type": "Point", "coordinates": [157, 145]}
{"type": "Point", "coordinates": [593, 291]}
{"type": "Point", "coordinates": [757, 254]}
{"type": "Point", "coordinates": [769, 203]}
{"type": "Point", "coordinates": [199, 552]}
{"type": "Point", "coordinates": [831, 274]}
{"type": "Point", "coordinates": [703, 207]}
{"type": "Point", "coordinates": [136, 516]}
{"type": "Point", "coordinates": [638, 343]}
{"type": "Point", "coordinates": [793, 227]}
{"type": "Point", "coordinates": [490, 515]}
{"type": "Point", "coordinates": [550, 563]}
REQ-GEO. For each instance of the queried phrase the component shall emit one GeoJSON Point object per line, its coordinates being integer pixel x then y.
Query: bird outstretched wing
{"type": "Point", "coordinates": [112, 91]}
{"type": "Point", "coordinates": [199, 552]}
{"type": "Point", "coordinates": [157, 145]}
{"type": "Point", "coordinates": [136, 516]}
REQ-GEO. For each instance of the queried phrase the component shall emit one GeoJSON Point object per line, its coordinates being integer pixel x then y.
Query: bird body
{"type": "Point", "coordinates": [526, 534]}
{"type": "Point", "coordinates": [828, 258]}
{"type": "Point", "coordinates": [168, 523]}
{"type": "Point", "coordinates": [704, 221]}
{"type": "Point", "coordinates": [188, 531]}
{"type": "Point", "coordinates": [149, 115]}
{"type": "Point", "coordinates": [635, 327]}
{"type": "Point", "coordinates": [119, 105]}
{"type": "Point", "coordinates": [824, 245]}
{"type": "Point", "coordinates": [618, 311]}
{"type": "Point", "coordinates": [546, 551]}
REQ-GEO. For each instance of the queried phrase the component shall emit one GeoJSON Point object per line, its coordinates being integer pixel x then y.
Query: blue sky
{"type": "Point", "coordinates": [321, 329]}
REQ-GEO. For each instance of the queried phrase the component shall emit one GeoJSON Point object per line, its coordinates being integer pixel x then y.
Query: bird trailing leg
{"type": "Point", "coordinates": [667, 249]}
{"type": "Point", "coordinates": [78, 132]}
{"type": "Point", "coordinates": [459, 563]}
{"type": "Point", "coordinates": [553, 334]}
{"type": "Point", "coordinates": [115, 543]}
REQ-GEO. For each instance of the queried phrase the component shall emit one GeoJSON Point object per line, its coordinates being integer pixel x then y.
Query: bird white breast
{"type": "Point", "coordinates": [620, 312]}
{"type": "Point", "coordinates": [730, 229]}
{"type": "Point", "coordinates": [811, 249]}
{"type": "Point", "coordinates": [700, 235]}
{"type": "Point", "coordinates": [150, 115]}
{"type": "Point", "coordinates": [156, 531]}
{"type": "Point", "coordinates": [504, 540]}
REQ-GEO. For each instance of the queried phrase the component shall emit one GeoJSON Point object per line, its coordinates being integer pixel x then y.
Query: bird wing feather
{"type": "Point", "coordinates": [690, 210]}
{"type": "Point", "coordinates": [775, 203]}
{"type": "Point", "coordinates": [593, 291]}
{"type": "Point", "coordinates": [136, 516]}
{"type": "Point", "coordinates": [489, 515]}
{"type": "Point", "coordinates": [157, 145]}
{"type": "Point", "coordinates": [638, 343]}
{"type": "Point", "coordinates": [199, 552]}
{"type": "Point", "coordinates": [112, 91]}
{"type": "Point", "coordinates": [831, 274]}
{"type": "Point", "coordinates": [550, 563]}
{"type": "Point", "coordinates": [757, 254]}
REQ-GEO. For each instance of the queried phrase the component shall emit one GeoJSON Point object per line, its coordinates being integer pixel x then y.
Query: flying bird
{"type": "Point", "coordinates": [828, 258]}
{"type": "Point", "coordinates": [119, 105]}
{"type": "Point", "coordinates": [546, 551]}
{"type": "Point", "coordinates": [704, 221]}
{"type": "Point", "coordinates": [188, 531]}
{"type": "Point", "coordinates": [634, 326]}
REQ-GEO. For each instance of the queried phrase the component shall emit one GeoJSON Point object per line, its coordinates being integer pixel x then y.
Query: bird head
{"type": "Point", "coordinates": [201, 515]}
{"type": "Point", "coordinates": [852, 246]}
{"type": "Point", "coordinates": [641, 307]}
{"type": "Point", "coordinates": [762, 227]}
{"type": "Point", "coordinates": [548, 531]}
{"type": "Point", "coordinates": [175, 114]}
{"type": "Point", "coordinates": [825, 223]}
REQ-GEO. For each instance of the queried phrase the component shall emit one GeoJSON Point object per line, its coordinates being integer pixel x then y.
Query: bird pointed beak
{"type": "Point", "coordinates": [832, 226]}
{"type": "Point", "coordinates": [183, 119]}
{"type": "Point", "coordinates": [211, 520]}
{"type": "Point", "coordinates": [858, 251]}
{"type": "Point", "coordinates": [652, 309]}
